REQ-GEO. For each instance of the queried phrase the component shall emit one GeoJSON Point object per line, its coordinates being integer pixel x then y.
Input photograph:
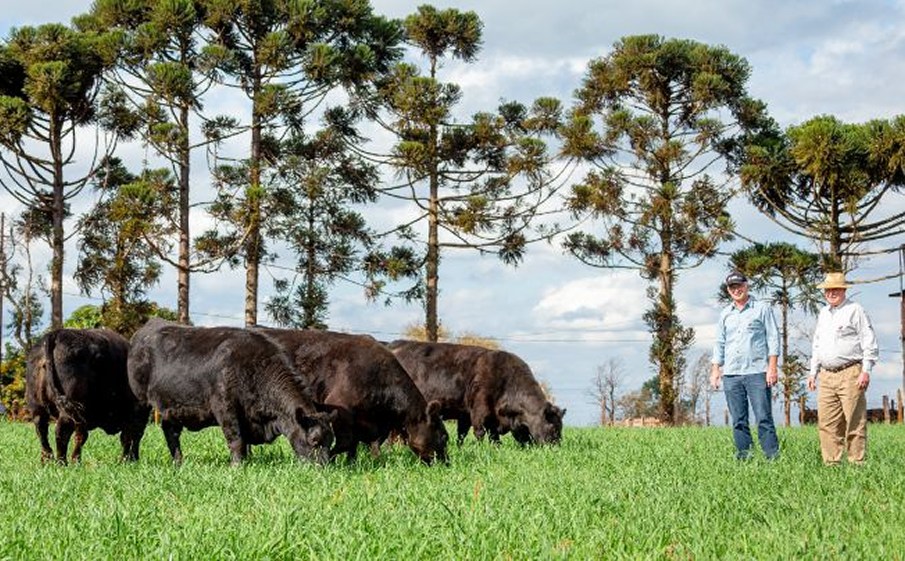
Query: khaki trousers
{"type": "Point", "coordinates": [841, 415]}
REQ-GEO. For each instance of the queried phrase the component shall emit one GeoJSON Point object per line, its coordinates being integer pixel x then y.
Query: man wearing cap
{"type": "Point", "coordinates": [745, 357]}
{"type": "Point", "coordinates": [843, 352]}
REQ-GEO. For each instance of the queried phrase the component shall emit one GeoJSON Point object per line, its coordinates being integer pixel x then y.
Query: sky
{"type": "Point", "coordinates": [808, 58]}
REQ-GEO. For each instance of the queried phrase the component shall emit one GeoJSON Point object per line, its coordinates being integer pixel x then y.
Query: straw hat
{"type": "Point", "coordinates": [834, 280]}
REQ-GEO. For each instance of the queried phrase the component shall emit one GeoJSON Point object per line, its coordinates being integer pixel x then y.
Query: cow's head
{"type": "Point", "coordinates": [312, 436]}
{"type": "Point", "coordinates": [428, 437]}
{"type": "Point", "coordinates": [532, 426]}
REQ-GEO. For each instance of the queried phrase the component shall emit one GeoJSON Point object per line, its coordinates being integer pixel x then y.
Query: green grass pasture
{"type": "Point", "coordinates": [605, 493]}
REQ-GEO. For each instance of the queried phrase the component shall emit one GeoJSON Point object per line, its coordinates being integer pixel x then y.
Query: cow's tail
{"type": "Point", "coordinates": [64, 404]}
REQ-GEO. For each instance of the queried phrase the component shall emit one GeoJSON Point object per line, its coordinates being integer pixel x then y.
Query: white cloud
{"type": "Point", "coordinates": [605, 303]}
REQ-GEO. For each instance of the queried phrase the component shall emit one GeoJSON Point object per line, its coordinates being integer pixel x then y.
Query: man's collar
{"type": "Point", "coordinates": [841, 304]}
{"type": "Point", "coordinates": [743, 306]}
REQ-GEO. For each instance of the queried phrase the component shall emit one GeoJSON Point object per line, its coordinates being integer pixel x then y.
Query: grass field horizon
{"type": "Point", "coordinates": [605, 493]}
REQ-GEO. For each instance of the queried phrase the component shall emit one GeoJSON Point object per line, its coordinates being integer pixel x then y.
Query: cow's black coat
{"type": "Point", "coordinates": [491, 391]}
{"type": "Point", "coordinates": [371, 392]}
{"type": "Point", "coordinates": [235, 378]}
{"type": "Point", "coordinates": [78, 377]}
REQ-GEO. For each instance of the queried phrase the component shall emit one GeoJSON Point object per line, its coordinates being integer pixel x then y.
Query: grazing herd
{"type": "Point", "coordinates": [325, 392]}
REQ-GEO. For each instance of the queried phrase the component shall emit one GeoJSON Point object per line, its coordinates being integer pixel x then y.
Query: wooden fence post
{"type": "Point", "coordinates": [886, 409]}
{"type": "Point", "coordinates": [801, 404]}
{"type": "Point", "coordinates": [899, 391]}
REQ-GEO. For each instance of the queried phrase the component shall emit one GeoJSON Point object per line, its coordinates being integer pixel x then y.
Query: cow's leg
{"type": "Point", "coordinates": [492, 426]}
{"type": "Point", "coordinates": [344, 435]}
{"type": "Point", "coordinates": [130, 438]}
{"type": "Point", "coordinates": [42, 424]}
{"type": "Point", "coordinates": [238, 449]}
{"type": "Point", "coordinates": [344, 445]}
{"type": "Point", "coordinates": [171, 432]}
{"type": "Point", "coordinates": [463, 425]}
{"type": "Point", "coordinates": [132, 433]}
{"type": "Point", "coordinates": [81, 436]}
{"type": "Point", "coordinates": [125, 440]}
{"type": "Point", "coordinates": [63, 434]}
{"type": "Point", "coordinates": [481, 419]}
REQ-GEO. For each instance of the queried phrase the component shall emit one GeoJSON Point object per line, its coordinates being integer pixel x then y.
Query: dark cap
{"type": "Point", "coordinates": [735, 278]}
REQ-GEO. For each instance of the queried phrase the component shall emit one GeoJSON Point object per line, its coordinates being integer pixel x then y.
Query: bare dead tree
{"type": "Point", "coordinates": [21, 286]}
{"type": "Point", "coordinates": [605, 386]}
{"type": "Point", "coordinates": [697, 380]}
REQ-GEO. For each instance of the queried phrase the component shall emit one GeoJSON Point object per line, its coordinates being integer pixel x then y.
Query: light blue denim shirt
{"type": "Point", "coordinates": [745, 338]}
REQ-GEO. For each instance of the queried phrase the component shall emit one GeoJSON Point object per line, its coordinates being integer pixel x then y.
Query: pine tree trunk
{"type": "Point", "coordinates": [665, 339]}
{"type": "Point", "coordinates": [57, 241]}
{"type": "Point", "coordinates": [787, 382]}
{"type": "Point", "coordinates": [182, 271]}
{"type": "Point", "coordinates": [253, 200]}
{"type": "Point", "coordinates": [431, 325]}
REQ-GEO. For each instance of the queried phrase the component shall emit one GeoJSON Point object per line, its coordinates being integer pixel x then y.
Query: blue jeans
{"type": "Point", "coordinates": [739, 391]}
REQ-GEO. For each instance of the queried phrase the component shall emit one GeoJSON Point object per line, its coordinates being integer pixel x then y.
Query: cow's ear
{"type": "Point", "coordinates": [302, 418]}
{"type": "Point", "coordinates": [553, 413]}
{"type": "Point", "coordinates": [331, 411]}
{"type": "Point", "coordinates": [305, 420]}
{"type": "Point", "coordinates": [433, 408]}
{"type": "Point", "coordinates": [322, 407]}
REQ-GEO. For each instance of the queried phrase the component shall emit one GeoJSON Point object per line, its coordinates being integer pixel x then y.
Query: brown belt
{"type": "Point", "coordinates": [843, 367]}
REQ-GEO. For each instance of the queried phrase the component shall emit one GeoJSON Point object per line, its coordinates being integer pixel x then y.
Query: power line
{"type": "Point", "coordinates": [541, 337]}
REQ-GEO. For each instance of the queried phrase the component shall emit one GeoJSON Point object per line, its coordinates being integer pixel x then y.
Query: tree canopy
{"type": "Point", "coordinates": [652, 118]}
{"type": "Point", "coordinates": [50, 95]}
{"type": "Point", "coordinates": [478, 184]}
{"type": "Point", "coordinates": [826, 180]}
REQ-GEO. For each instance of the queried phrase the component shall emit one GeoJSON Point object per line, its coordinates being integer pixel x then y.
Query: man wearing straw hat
{"type": "Point", "coordinates": [844, 350]}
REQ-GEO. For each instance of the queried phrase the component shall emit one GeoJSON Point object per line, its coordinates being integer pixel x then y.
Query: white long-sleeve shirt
{"type": "Point", "coordinates": [843, 334]}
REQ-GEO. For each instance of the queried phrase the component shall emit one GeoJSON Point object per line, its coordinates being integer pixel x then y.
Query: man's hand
{"type": "Point", "coordinates": [864, 380]}
{"type": "Point", "coordinates": [812, 383]}
{"type": "Point", "coordinates": [772, 369]}
{"type": "Point", "coordinates": [715, 375]}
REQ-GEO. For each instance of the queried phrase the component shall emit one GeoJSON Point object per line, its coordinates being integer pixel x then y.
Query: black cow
{"type": "Point", "coordinates": [78, 378]}
{"type": "Point", "coordinates": [491, 391]}
{"type": "Point", "coordinates": [373, 395]}
{"type": "Point", "coordinates": [238, 379]}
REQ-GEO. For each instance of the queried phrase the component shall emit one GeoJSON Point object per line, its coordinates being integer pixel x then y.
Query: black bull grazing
{"type": "Point", "coordinates": [367, 387]}
{"type": "Point", "coordinates": [78, 377]}
{"type": "Point", "coordinates": [488, 390]}
{"type": "Point", "coordinates": [238, 379]}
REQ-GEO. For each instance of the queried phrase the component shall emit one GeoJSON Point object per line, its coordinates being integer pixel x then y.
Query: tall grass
{"type": "Point", "coordinates": [603, 494]}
